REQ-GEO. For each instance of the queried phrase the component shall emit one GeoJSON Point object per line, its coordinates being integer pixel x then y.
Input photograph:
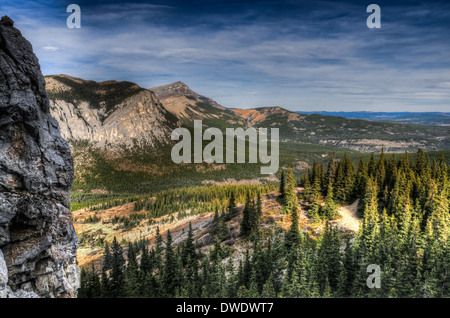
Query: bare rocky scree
{"type": "Point", "coordinates": [38, 242]}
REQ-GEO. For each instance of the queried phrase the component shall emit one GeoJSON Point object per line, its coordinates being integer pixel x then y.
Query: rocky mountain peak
{"type": "Point", "coordinates": [7, 21]}
{"type": "Point", "coordinates": [175, 89]}
{"type": "Point", "coordinates": [38, 242]}
{"type": "Point", "coordinates": [187, 105]}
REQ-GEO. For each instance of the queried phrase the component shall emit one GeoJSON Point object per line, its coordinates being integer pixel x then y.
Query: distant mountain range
{"type": "Point", "coordinates": [424, 118]}
{"type": "Point", "coordinates": [356, 134]}
{"type": "Point", "coordinates": [124, 114]}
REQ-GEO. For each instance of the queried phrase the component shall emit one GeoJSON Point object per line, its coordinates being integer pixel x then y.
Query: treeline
{"type": "Point", "coordinates": [405, 231]}
{"type": "Point", "coordinates": [168, 205]}
{"type": "Point", "coordinates": [202, 199]}
{"type": "Point", "coordinates": [396, 184]}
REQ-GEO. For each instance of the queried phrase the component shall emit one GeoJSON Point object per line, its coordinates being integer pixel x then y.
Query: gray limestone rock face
{"type": "Point", "coordinates": [85, 110]}
{"type": "Point", "coordinates": [3, 276]}
{"type": "Point", "coordinates": [38, 242]}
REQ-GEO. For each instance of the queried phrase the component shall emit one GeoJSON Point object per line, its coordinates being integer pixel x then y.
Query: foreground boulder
{"type": "Point", "coordinates": [38, 242]}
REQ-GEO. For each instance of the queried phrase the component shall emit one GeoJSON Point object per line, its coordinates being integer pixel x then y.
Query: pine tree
{"type": "Point", "coordinates": [293, 236]}
{"type": "Point", "coordinates": [370, 228]}
{"type": "Point", "coordinates": [344, 180]}
{"type": "Point", "coordinates": [361, 177]}
{"type": "Point", "coordinates": [371, 166]}
{"type": "Point", "coordinates": [347, 274]}
{"type": "Point", "coordinates": [282, 185]}
{"type": "Point", "coordinates": [131, 273]}
{"type": "Point", "coordinates": [145, 266]}
{"type": "Point", "coordinates": [330, 209]}
{"type": "Point", "coordinates": [83, 291]}
{"type": "Point", "coordinates": [231, 207]}
{"type": "Point", "coordinates": [290, 193]}
{"type": "Point", "coordinates": [328, 263]}
{"type": "Point", "coordinates": [269, 289]}
{"type": "Point", "coordinates": [247, 214]}
{"type": "Point", "coordinates": [104, 284]}
{"type": "Point", "coordinates": [256, 215]}
{"type": "Point", "coordinates": [370, 196]}
{"type": "Point", "coordinates": [107, 257]}
{"type": "Point", "coordinates": [215, 223]}
{"type": "Point", "coordinates": [331, 169]}
{"type": "Point", "coordinates": [170, 274]}
{"type": "Point", "coordinates": [117, 271]}
{"type": "Point", "coordinates": [314, 211]}
{"type": "Point", "coordinates": [188, 250]}
{"type": "Point", "coordinates": [158, 251]}
{"type": "Point", "coordinates": [307, 186]}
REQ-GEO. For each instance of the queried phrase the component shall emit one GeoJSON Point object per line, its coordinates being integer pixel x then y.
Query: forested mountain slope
{"type": "Point", "coordinates": [291, 242]}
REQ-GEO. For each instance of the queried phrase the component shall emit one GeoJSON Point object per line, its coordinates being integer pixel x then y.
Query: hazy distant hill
{"type": "Point", "coordinates": [431, 118]}
{"type": "Point", "coordinates": [357, 134]}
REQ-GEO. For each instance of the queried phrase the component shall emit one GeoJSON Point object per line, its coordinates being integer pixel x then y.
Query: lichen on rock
{"type": "Point", "coordinates": [38, 242]}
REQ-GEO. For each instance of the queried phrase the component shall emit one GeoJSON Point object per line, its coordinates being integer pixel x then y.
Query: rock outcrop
{"type": "Point", "coordinates": [38, 242]}
{"type": "Point", "coordinates": [188, 105]}
{"type": "Point", "coordinates": [109, 113]}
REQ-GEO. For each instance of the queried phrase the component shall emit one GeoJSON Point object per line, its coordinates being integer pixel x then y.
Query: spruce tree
{"type": "Point", "coordinates": [231, 207]}
{"type": "Point", "coordinates": [331, 169]}
{"type": "Point", "coordinates": [131, 273]}
{"type": "Point", "coordinates": [83, 290]}
{"type": "Point", "coordinates": [361, 177]}
{"type": "Point", "coordinates": [291, 194]}
{"type": "Point", "coordinates": [307, 191]}
{"type": "Point", "coordinates": [293, 236]}
{"type": "Point", "coordinates": [247, 217]}
{"type": "Point", "coordinates": [117, 278]}
{"type": "Point", "coordinates": [282, 185]}
{"type": "Point", "coordinates": [170, 274]}
{"type": "Point", "coordinates": [330, 209]}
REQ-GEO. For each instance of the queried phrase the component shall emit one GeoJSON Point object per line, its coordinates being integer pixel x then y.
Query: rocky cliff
{"type": "Point", "coordinates": [108, 113]}
{"type": "Point", "coordinates": [38, 242]}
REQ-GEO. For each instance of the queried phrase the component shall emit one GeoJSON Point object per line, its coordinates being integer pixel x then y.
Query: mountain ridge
{"type": "Point", "coordinates": [108, 112]}
{"type": "Point", "coordinates": [188, 105]}
{"type": "Point", "coordinates": [417, 118]}
{"type": "Point", "coordinates": [137, 116]}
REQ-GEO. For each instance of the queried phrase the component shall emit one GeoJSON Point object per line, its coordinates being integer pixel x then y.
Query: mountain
{"type": "Point", "coordinates": [260, 116]}
{"type": "Point", "coordinates": [122, 113]}
{"type": "Point", "coordinates": [356, 134]}
{"type": "Point", "coordinates": [38, 242]}
{"type": "Point", "coordinates": [429, 118]}
{"type": "Point", "coordinates": [188, 105]}
{"type": "Point", "coordinates": [108, 113]}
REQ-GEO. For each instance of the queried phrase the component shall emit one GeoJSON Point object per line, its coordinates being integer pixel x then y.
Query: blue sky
{"type": "Point", "coordinates": [301, 55]}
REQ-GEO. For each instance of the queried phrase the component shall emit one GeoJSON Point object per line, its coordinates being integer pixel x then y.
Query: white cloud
{"type": "Point", "coordinates": [51, 48]}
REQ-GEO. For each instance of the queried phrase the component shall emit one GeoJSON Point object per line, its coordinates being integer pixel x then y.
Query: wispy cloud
{"type": "Point", "coordinates": [51, 48]}
{"type": "Point", "coordinates": [298, 54]}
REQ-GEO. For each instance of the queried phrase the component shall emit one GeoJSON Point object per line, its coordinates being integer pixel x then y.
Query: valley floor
{"type": "Point", "coordinates": [93, 235]}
